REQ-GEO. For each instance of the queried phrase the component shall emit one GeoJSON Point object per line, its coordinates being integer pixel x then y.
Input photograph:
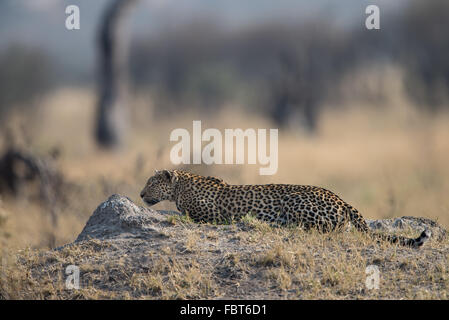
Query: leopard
{"type": "Point", "coordinates": [206, 199]}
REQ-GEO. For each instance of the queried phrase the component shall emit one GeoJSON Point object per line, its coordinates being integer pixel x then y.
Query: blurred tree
{"type": "Point", "coordinates": [111, 114]}
{"type": "Point", "coordinates": [311, 59]}
{"type": "Point", "coordinates": [424, 52]}
{"type": "Point", "coordinates": [26, 73]}
{"type": "Point", "coordinates": [283, 70]}
{"type": "Point", "coordinates": [294, 92]}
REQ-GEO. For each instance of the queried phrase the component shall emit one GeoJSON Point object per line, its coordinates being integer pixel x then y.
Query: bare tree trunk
{"type": "Point", "coordinates": [295, 97]}
{"type": "Point", "coordinates": [111, 119]}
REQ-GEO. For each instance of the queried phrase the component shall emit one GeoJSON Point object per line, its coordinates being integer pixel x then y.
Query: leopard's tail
{"type": "Point", "coordinates": [360, 224]}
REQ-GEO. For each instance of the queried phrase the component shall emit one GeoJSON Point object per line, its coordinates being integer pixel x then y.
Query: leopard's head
{"type": "Point", "coordinates": [159, 187]}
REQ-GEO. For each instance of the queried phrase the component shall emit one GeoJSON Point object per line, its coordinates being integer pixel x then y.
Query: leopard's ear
{"type": "Point", "coordinates": [170, 175]}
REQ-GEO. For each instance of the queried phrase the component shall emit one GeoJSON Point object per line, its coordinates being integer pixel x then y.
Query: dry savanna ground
{"type": "Point", "coordinates": [387, 160]}
{"type": "Point", "coordinates": [245, 260]}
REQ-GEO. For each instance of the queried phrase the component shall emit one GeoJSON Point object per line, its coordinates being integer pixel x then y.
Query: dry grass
{"type": "Point", "coordinates": [385, 160]}
{"type": "Point", "coordinates": [240, 261]}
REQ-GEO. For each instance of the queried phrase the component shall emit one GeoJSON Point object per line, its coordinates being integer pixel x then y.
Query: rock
{"type": "Point", "coordinates": [414, 224]}
{"type": "Point", "coordinates": [119, 217]}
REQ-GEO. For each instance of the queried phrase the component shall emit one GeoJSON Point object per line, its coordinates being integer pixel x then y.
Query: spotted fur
{"type": "Point", "coordinates": [209, 199]}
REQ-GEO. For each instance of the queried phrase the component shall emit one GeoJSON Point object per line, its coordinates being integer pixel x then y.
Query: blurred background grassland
{"type": "Point", "coordinates": [362, 113]}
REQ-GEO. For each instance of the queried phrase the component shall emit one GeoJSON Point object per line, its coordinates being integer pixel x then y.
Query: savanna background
{"type": "Point", "coordinates": [364, 113]}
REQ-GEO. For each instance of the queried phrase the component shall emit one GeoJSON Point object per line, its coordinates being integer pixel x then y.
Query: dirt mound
{"type": "Point", "coordinates": [119, 217]}
{"type": "Point", "coordinates": [127, 251]}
